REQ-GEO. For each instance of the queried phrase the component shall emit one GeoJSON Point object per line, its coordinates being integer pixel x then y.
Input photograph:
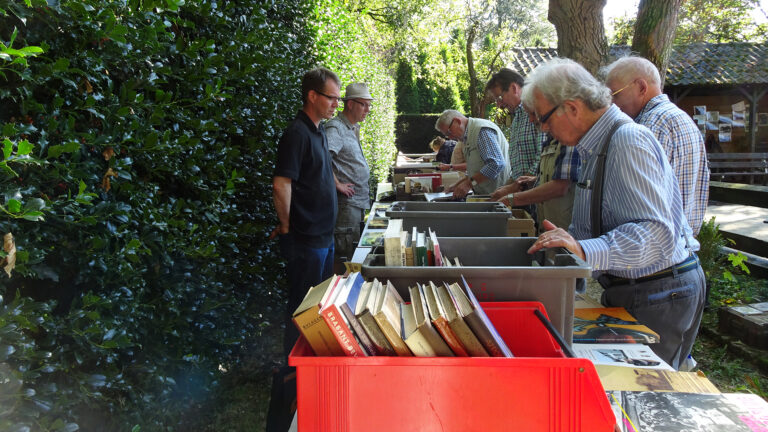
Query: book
{"type": "Point", "coordinates": [628, 355]}
{"type": "Point", "coordinates": [387, 315]}
{"type": "Point", "coordinates": [330, 311]}
{"type": "Point", "coordinates": [407, 244]}
{"type": "Point", "coordinates": [421, 250]}
{"type": "Point", "coordinates": [418, 333]}
{"type": "Point", "coordinates": [440, 321]}
{"type": "Point", "coordinates": [372, 238]}
{"type": "Point", "coordinates": [471, 311]}
{"type": "Point", "coordinates": [610, 325]}
{"type": "Point", "coordinates": [676, 411]}
{"type": "Point", "coordinates": [393, 253]}
{"type": "Point", "coordinates": [307, 319]}
{"type": "Point", "coordinates": [380, 343]}
{"type": "Point", "coordinates": [438, 257]}
{"type": "Point", "coordinates": [627, 378]}
{"type": "Point", "coordinates": [348, 308]}
{"type": "Point", "coordinates": [460, 328]}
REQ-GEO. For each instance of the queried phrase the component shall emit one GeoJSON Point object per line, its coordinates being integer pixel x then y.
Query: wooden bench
{"type": "Point", "coordinates": [738, 165]}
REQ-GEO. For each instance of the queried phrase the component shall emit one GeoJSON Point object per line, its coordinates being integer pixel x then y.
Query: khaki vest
{"type": "Point", "coordinates": [475, 162]}
{"type": "Point", "coordinates": [557, 210]}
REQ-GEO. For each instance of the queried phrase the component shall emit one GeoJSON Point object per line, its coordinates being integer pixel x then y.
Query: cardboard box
{"type": "Point", "coordinates": [520, 224]}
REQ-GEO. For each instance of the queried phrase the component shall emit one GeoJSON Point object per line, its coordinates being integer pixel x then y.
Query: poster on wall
{"type": "Point", "coordinates": [738, 119]}
{"type": "Point", "coordinates": [725, 132]}
{"type": "Point", "coordinates": [725, 119]}
{"type": "Point", "coordinates": [700, 119]}
{"type": "Point", "coordinates": [762, 119]}
{"type": "Point", "coordinates": [713, 116]}
{"type": "Point", "coordinates": [700, 110]}
{"type": "Point", "coordinates": [739, 106]}
{"type": "Point", "coordinates": [711, 126]}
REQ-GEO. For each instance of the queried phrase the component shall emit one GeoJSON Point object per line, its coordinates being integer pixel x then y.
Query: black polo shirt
{"type": "Point", "coordinates": [303, 156]}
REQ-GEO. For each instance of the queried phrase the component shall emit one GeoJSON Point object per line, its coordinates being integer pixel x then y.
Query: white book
{"type": "Point", "coordinates": [630, 355]}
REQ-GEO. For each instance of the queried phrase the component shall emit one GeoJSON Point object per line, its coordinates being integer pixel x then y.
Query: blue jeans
{"type": "Point", "coordinates": [306, 267]}
{"type": "Point", "coordinates": [672, 307]}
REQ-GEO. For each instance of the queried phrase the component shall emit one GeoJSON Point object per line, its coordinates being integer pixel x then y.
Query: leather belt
{"type": "Point", "coordinates": [691, 263]}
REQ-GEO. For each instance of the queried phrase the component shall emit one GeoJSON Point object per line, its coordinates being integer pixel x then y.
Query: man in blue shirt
{"type": "Point", "coordinates": [304, 193]}
{"type": "Point", "coordinates": [642, 253]}
{"type": "Point", "coordinates": [636, 89]}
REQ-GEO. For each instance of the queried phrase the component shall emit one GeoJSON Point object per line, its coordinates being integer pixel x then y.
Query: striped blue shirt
{"type": "Point", "coordinates": [681, 140]}
{"type": "Point", "coordinates": [644, 227]}
{"type": "Point", "coordinates": [488, 146]}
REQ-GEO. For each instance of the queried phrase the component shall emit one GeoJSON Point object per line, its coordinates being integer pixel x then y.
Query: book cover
{"type": "Point", "coordinates": [440, 320]}
{"type": "Point", "coordinates": [478, 321]}
{"type": "Point", "coordinates": [387, 315]}
{"type": "Point", "coordinates": [628, 355]}
{"type": "Point", "coordinates": [423, 324]}
{"type": "Point", "coordinates": [307, 319]}
{"type": "Point", "coordinates": [372, 238]}
{"type": "Point", "coordinates": [438, 257]}
{"type": "Point", "coordinates": [609, 325]}
{"type": "Point", "coordinates": [460, 328]}
{"type": "Point", "coordinates": [371, 328]}
{"type": "Point", "coordinates": [393, 253]}
{"type": "Point", "coordinates": [335, 319]}
{"type": "Point", "coordinates": [675, 411]}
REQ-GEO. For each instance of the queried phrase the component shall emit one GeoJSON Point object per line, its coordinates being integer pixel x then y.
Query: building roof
{"type": "Point", "coordinates": [699, 64]}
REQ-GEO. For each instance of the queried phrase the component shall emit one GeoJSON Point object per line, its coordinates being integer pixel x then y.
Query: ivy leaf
{"type": "Point", "coordinates": [14, 205]}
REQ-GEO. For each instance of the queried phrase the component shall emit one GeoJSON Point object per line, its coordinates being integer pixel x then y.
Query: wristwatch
{"type": "Point", "coordinates": [511, 199]}
{"type": "Point", "coordinates": [473, 181]}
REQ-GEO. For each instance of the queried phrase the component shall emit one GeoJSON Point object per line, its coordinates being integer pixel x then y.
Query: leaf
{"type": "Point", "coordinates": [9, 247]}
{"type": "Point", "coordinates": [14, 205]}
{"type": "Point", "coordinates": [25, 148]}
{"type": "Point", "coordinates": [108, 154]}
{"type": "Point", "coordinates": [34, 204]}
{"type": "Point", "coordinates": [105, 184]}
{"type": "Point", "coordinates": [7, 148]}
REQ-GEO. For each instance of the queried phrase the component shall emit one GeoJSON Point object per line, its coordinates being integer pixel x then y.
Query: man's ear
{"type": "Point", "coordinates": [642, 86]}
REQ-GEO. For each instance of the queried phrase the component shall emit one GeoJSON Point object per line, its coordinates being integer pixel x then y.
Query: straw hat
{"type": "Point", "coordinates": [357, 91]}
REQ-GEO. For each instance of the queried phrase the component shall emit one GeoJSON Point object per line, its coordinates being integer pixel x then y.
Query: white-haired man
{"type": "Point", "coordinates": [485, 150]}
{"type": "Point", "coordinates": [636, 89]}
{"type": "Point", "coordinates": [628, 221]}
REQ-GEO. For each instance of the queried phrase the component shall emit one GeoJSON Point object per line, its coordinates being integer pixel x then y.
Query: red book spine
{"type": "Point", "coordinates": [335, 321]}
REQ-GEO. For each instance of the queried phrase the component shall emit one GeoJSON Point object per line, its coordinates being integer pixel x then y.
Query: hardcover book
{"type": "Point", "coordinates": [610, 325]}
{"type": "Point", "coordinates": [312, 326]}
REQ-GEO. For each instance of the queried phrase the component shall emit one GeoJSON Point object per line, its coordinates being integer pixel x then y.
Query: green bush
{"type": "Point", "coordinates": [152, 129]}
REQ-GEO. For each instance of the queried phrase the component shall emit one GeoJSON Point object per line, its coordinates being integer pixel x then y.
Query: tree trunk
{"type": "Point", "coordinates": [580, 31]}
{"type": "Point", "coordinates": [655, 30]}
{"type": "Point", "coordinates": [474, 104]}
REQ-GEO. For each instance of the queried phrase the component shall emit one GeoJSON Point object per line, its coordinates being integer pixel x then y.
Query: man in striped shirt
{"type": "Point", "coordinates": [639, 244]}
{"type": "Point", "coordinates": [484, 145]}
{"type": "Point", "coordinates": [636, 89]}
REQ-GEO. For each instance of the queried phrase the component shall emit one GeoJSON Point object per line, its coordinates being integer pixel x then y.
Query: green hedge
{"type": "Point", "coordinates": [144, 136]}
{"type": "Point", "coordinates": [415, 131]}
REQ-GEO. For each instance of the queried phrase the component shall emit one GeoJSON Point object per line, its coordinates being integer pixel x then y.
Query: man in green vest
{"type": "Point", "coordinates": [485, 149]}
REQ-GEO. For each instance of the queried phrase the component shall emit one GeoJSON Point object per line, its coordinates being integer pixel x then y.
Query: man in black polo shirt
{"type": "Point", "coordinates": [304, 192]}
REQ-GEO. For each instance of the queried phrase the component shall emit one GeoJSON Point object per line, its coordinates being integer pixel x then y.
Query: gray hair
{"type": "Point", "coordinates": [632, 67]}
{"type": "Point", "coordinates": [446, 118]}
{"type": "Point", "coordinates": [561, 79]}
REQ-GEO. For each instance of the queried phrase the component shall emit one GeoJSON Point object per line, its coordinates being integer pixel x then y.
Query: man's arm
{"type": "Point", "coordinates": [347, 189]}
{"type": "Point", "coordinates": [281, 194]}
{"type": "Point", "coordinates": [549, 190]}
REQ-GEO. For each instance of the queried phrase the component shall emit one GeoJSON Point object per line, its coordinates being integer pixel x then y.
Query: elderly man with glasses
{"type": "Point", "coordinates": [628, 221]}
{"type": "Point", "coordinates": [484, 147]}
{"type": "Point", "coordinates": [304, 193]}
{"type": "Point", "coordinates": [636, 87]}
{"type": "Point", "coordinates": [350, 168]}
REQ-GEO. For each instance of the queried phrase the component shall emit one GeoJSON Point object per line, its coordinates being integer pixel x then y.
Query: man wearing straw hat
{"type": "Point", "coordinates": [350, 168]}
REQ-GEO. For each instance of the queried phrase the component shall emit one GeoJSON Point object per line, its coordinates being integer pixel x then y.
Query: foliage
{"type": "Point", "coordinates": [145, 134]}
{"type": "Point", "coordinates": [343, 47]}
{"type": "Point", "coordinates": [711, 241]}
{"type": "Point", "coordinates": [717, 21]}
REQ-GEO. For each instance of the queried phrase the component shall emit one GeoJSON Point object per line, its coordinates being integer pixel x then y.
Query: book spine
{"type": "Point", "coordinates": [441, 324]}
{"type": "Point", "coordinates": [341, 332]}
{"type": "Point", "coordinates": [397, 342]}
{"type": "Point", "coordinates": [378, 339]}
{"type": "Point", "coordinates": [317, 333]}
{"type": "Point", "coordinates": [483, 335]}
{"type": "Point", "coordinates": [357, 329]}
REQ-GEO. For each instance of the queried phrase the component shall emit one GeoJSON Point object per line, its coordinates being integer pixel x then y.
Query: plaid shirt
{"type": "Point", "coordinates": [567, 163]}
{"type": "Point", "coordinates": [681, 140]}
{"type": "Point", "coordinates": [488, 146]}
{"type": "Point", "coordinates": [524, 144]}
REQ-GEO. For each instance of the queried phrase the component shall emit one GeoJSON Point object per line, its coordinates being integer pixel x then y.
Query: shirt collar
{"type": "Point", "coordinates": [308, 121]}
{"type": "Point", "coordinates": [346, 121]}
{"type": "Point", "coordinates": [653, 103]}
{"type": "Point", "coordinates": [594, 136]}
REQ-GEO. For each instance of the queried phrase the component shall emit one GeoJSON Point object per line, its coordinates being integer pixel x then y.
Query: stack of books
{"type": "Point", "coordinates": [348, 316]}
{"type": "Point", "coordinates": [414, 248]}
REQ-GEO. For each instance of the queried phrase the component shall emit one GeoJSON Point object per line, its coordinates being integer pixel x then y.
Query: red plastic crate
{"type": "Point", "coordinates": [539, 390]}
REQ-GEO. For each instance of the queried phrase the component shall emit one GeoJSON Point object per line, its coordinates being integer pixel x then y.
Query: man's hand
{"type": "Point", "coordinates": [347, 189]}
{"type": "Point", "coordinates": [460, 188]}
{"type": "Point", "coordinates": [278, 230]}
{"type": "Point", "coordinates": [525, 181]}
{"type": "Point", "coordinates": [444, 167]}
{"type": "Point", "coordinates": [503, 191]}
{"type": "Point", "coordinates": [557, 237]}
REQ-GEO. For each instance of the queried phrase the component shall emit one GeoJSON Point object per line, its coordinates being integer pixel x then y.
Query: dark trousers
{"type": "Point", "coordinates": [671, 306]}
{"type": "Point", "coordinates": [306, 267]}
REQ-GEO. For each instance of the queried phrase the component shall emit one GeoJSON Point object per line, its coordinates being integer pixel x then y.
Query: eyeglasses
{"type": "Point", "coordinates": [621, 89]}
{"type": "Point", "coordinates": [367, 105]}
{"type": "Point", "coordinates": [543, 119]}
{"type": "Point", "coordinates": [336, 98]}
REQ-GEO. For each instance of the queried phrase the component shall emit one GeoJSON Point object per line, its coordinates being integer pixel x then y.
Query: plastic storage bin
{"type": "Point", "coordinates": [453, 219]}
{"type": "Point", "coordinates": [498, 269]}
{"type": "Point", "coordinates": [539, 390]}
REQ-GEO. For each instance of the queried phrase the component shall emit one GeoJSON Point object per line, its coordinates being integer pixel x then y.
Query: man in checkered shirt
{"type": "Point", "coordinates": [636, 89]}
